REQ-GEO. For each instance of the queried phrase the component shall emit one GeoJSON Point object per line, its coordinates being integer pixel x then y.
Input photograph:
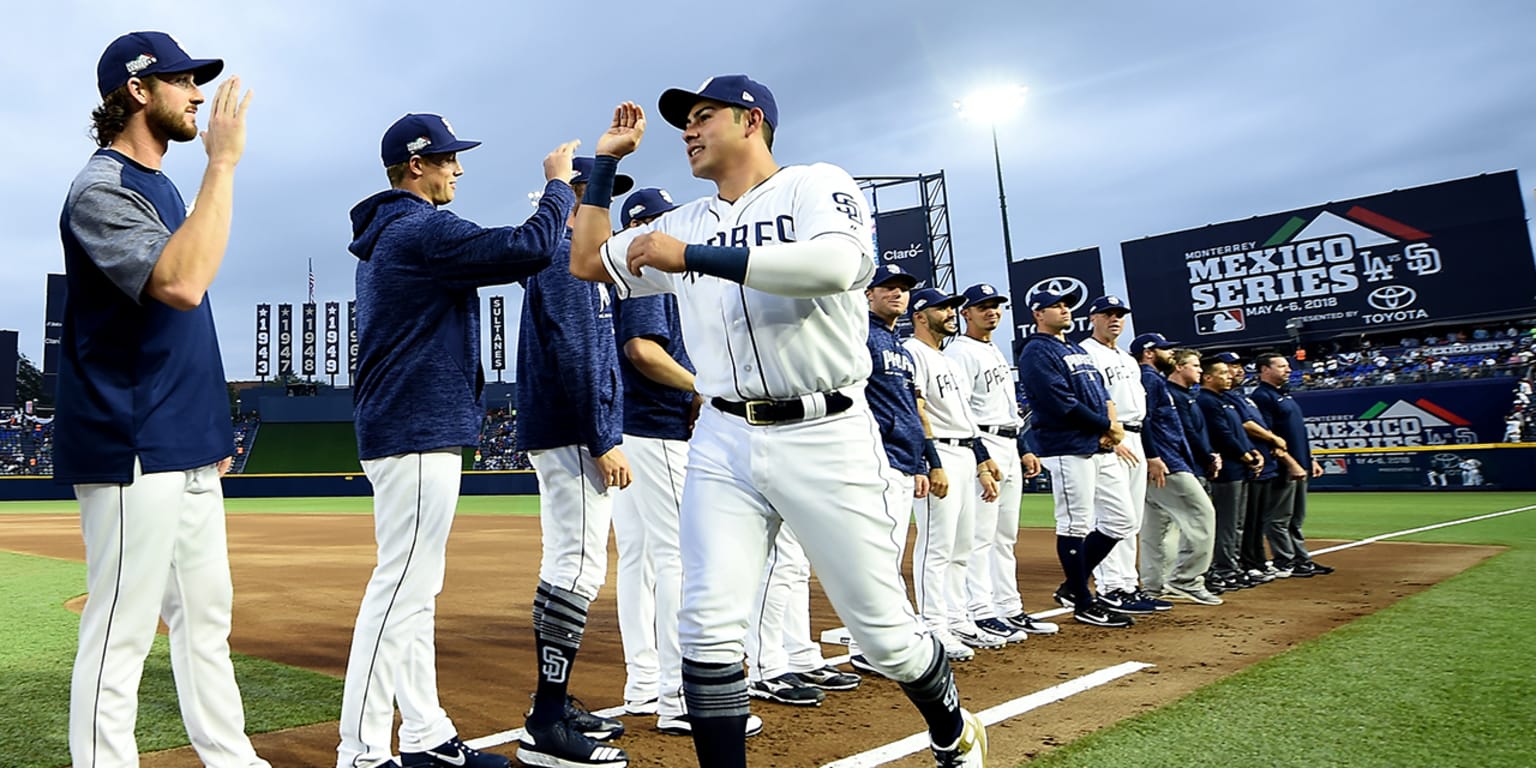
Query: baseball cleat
{"type": "Point", "coordinates": [829, 679]}
{"type": "Point", "coordinates": [974, 637]}
{"type": "Point", "coordinates": [1063, 596]}
{"type": "Point", "coordinates": [592, 726]}
{"type": "Point", "coordinates": [682, 725]}
{"type": "Point", "coordinates": [969, 751]}
{"type": "Point", "coordinates": [644, 707]}
{"type": "Point", "coordinates": [1193, 594]}
{"type": "Point", "coordinates": [562, 746]}
{"type": "Point", "coordinates": [954, 650]}
{"type": "Point", "coordinates": [452, 753]}
{"type": "Point", "coordinates": [1001, 629]}
{"type": "Point", "coordinates": [1032, 625]}
{"type": "Point", "coordinates": [861, 663]}
{"type": "Point", "coordinates": [1101, 616]}
{"type": "Point", "coordinates": [787, 688]}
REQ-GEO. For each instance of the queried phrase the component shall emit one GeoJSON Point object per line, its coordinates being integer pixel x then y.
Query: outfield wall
{"type": "Point", "coordinates": [1476, 467]}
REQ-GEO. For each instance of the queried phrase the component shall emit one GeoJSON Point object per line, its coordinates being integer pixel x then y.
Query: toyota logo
{"type": "Point", "coordinates": [1390, 297]}
{"type": "Point", "coordinates": [1063, 286]}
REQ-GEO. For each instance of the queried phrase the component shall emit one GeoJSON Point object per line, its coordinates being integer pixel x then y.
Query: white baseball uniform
{"type": "Point", "coordinates": [941, 558]}
{"type": "Point", "coordinates": [823, 474]}
{"type": "Point", "coordinates": [1122, 377]}
{"type": "Point", "coordinates": [993, 582]}
{"type": "Point", "coordinates": [779, 638]}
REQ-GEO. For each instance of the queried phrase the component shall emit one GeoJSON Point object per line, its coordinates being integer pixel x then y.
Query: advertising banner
{"type": "Point", "coordinates": [9, 360]}
{"type": "Point", "coordinates": [53, 333]}
{"type": "Point", "coordinates": [1452, 468]}
{"type": "Point", "coordinates": [1450, 252]}
{"type": "Point", "coordinates": [1079, 273]}
{"type": "Point", "coordinates": [1441, 413]}
{"type": "Point", "coordinates": [901, 237]}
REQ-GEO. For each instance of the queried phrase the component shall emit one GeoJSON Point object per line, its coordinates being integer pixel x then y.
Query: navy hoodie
{"type": "Point", "coordinates": [419, 380]}
{"type": "Point", "coordinates": [1066, 391]}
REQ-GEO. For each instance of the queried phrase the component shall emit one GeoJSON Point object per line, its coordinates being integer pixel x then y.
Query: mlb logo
{"type": "Point", "coordinates": [1223, 321]}
{"type": "Point", "coordinates": [1334, 466]}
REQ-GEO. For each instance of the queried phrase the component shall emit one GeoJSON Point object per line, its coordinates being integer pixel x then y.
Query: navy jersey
{"type": "Point", "coordinates": [1225, 427]}
{"type": "Point", "coordinates": [1248, 411]}
{"type": "Point", "coordinates": [1162, 431]}
{"type": "Point", "coordinates": [652, 409]}
{"type": "Point", "coordinates": [1193, 421]}
{"type": "Point", "coordinates": [137, 378]}
{"type": "Point", "coordinates": [892, 398]}
{"type": "Point", "coordinates": [1066, 392]}
{"type": "Point", "coordinates": [1285, 419]}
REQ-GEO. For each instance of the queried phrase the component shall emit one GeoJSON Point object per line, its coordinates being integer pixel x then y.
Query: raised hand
{"type": "Point", "coordinates": [557, 165]}
{"type": "Point", "coordinates": [624, 134]}
{"type": "Point", "coordinates": [224, 141]}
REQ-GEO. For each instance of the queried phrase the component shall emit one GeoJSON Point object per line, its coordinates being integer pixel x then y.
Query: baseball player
{"type": "Point", "coordinates": [992, 582]}
{"type": "Point", "coordinates": [767, 274]}
{"type": "Point", "coordinates": [1178, 512]}
{"type": "Point", "coordinates": [1272, 448]}
{"type": "Point", "coordinates": [941, 559]}
{"type": "Point", "coordinates": [1076, 429]}
{"type": "Point", "coordinates": [569, 421]}
{"type": "Point", "coordinates": [1229, 486]}
{"type": "Point", "coordinates": [143, 431]}
{"type": "Point", "coordinates": [1117, 576]}
{"type": "Point", "coordinates": [418, 403]}
{"type": "Point", "coordinates": [892, 396]}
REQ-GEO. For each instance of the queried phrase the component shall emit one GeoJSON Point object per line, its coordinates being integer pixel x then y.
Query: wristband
{"type": "Point", "coordinates": [599, 190]}
{"type": "Point", "coordinates": [931, 453]}
{"type": "Point", "coordinates": [717, 260]}
{"type": "Point", "coordinates": [982, 455]}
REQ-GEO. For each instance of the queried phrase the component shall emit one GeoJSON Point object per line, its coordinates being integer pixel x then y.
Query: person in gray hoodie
{"type": "Point", "coordinates": [417, 399]}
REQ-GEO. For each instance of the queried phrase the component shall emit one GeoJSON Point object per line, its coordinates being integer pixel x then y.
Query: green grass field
{"type": "Point", "coordinates": [1440, 678]}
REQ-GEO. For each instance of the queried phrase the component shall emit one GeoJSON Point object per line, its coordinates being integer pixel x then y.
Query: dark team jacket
{"type": "Point", "coordinates": [1248, 411]}
{"type": "Point", "coordinates": [892, 397]}
{"type": "Point", "coordinates": [1026, 426]}
{"type": "Point", "coordinates": [1162, 431]}
{"type": "Point", "coordinates": [652, 409]}
{"type": "Point", "coordinates": [419, 381]}
{"type": "Point", "coordinates": [568, 387]}
{"type": "Point", "coordinates": [1066, 392]}
{"type": "Point", "coordinates": [1225, 428]}
{"type": "Point", "coordinates": [1193, 421]}
{"type": "Point", "coordinates": [137, 378]}
{"type": "Point", "coordinates": [1285, 419]}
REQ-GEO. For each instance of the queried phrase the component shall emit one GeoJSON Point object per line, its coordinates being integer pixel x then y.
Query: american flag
{"type": "Point", "coordinates": [311, 281]}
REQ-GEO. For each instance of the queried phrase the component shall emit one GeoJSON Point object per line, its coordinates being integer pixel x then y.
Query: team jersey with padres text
{"type": "Point", "coordinates": [892, 396]}
{"type": "Point", "coordinates": [1122, 377]}
{"type": "Point", "coordinates": [749, 344]}
{"type": "Point", "coordinates": [992, 398]}
{"type": "Point", "coordinates": [946, 394]}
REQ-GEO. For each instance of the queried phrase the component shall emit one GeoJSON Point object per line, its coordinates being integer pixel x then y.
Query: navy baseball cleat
{"type": "Point", "coordinates": [830, 679]}
{"type": "Point", "coordinates": [787, 688]}
{"type": "Point", "coordinates": [452, 754]}
{"type": "Point", "coordinates": [592, 726]}
{"type": "Point", "coordinates": [560, 745]}
{"type": "Point", "coordinates": [1032, 625]}
{"type": "Point", "coordinates": [1099, 615]}
{"type": "Point", "coordinates": [861, 663]}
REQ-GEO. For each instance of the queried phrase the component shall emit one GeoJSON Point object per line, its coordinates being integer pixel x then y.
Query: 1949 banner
{"type": "Point", "coordinates": [1454, 251]}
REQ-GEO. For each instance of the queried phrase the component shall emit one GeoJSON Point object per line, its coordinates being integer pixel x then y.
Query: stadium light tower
{"type": "Point", "coordinates": [992, 106]}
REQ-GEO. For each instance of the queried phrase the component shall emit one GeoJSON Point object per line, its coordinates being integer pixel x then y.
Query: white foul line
{"type": "Point", "coordinates": [919, 741]}
{"type": "Point", "coordinates": [1421, 529]}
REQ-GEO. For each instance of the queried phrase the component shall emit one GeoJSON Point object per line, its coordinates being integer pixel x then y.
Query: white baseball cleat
{"type": "Point", "coordinates": [969, 751]}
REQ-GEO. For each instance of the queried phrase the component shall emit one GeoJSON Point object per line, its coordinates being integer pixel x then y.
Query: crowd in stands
{"type": "Point", "coordinates": [26, 444]}
{"type": "Point", "coordinates": [245, 433]}
{"type": "Point", "coordinates": [498, 444]}
{"type": "Point", "coordinates": [1439, 356]}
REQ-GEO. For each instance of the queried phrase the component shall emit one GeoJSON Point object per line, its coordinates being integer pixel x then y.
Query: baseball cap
{"type": "Point", "coordinates": [645, 203]}
{"type": "Point", "coordinates": [137, 54]}
{"type": "Point", "coordinates": [1230, 358]}
{"type": "Point", "coordinates": [1041, 299]}
{"type": "Point", "coordinates": [981, 292]}
{"type": "Point", "coordinates": [933, 298]}
{"type": "Point", "coordinates": [1148, 341]}
{"type": "Point", "coordinates": [736, 90]}
{"type": "Point", "coordinates": [888, 273]}
{"type": "Point", "coordinates": [420, 134]}
{"type": "Point", "coordinates": [583, 166]}
{"type": "Point", "coordinates": [1107, 303]}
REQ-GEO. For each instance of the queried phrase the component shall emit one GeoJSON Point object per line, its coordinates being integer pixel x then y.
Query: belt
{"type": "Point", "coordinates": [760, 413]}
{"type": "Point", "coordinates": [1008, 432]}
{"type": "Point", "coordinates": [962, 442]}
{"type": "Point", "coordinates": [1132, 427]}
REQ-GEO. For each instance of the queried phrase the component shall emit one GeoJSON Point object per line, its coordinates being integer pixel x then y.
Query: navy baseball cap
{"type": "Point", "coordinates": [981, 293]}
{"type": "Point", "coordinates": [644, 203]}
{"type": "Point", "coordinates": [1230, 358]}
{"type": "Point", "coordinates": [736, 90]}
{"type": "Point", "coordinates": [1107, 303]}
{"type": "Point", "coordinates": [889, 273]}
{"type": "Point", "coordinates": [933, 298]}
{"type": "Point", "coordinates": [583, 166]}
{"type": "Point", "coordinates": [1041, 299]}
{"type": "Point", "coordinates": [137, 54]}
{"type": "Point", "coordinates": [1148, 341]}
{"type": "Point", "coordinates": [420, 134]}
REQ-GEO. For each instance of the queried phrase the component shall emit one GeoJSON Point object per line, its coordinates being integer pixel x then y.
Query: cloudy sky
{"type": "Point", "coordinates": [1142, 118]}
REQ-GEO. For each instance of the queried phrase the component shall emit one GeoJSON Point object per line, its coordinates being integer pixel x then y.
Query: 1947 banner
{"type": "Point", "coordinates": [1454, 251]}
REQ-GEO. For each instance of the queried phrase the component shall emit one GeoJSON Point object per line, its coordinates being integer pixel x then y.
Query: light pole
{"type": "Point", "coordinates": [992, 105]}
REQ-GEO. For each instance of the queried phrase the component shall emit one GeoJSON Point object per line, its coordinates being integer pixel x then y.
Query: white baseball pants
{"type": "Point", "coordinates": [1118, 570]}
{"type": "Point", "coordinates": [779, 633]}
{"type": "Point", "coordinates": [1090, 492]}
{"type": "Point", "coordinates": [575, 509]}
{"type": "Point", "coordinates": [992, 580]}
{"type": "Point", "coordinates": [941, 557]}
{"type": "Point", "coordinates": [155, 548]}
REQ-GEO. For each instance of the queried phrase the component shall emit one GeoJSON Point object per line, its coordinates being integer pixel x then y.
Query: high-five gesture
{"type": "Point", "coordinates": [623, 136]}
{"type": "Point", "coordinates": [558, 164]}
{"type": "Point", "coordinates": [225, 138]}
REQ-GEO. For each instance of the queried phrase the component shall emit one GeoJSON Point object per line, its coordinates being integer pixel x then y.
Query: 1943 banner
{"type": "Point", "coordinates": [1448, 252]}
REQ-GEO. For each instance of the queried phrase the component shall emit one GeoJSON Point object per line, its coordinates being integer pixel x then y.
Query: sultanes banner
{"type": "Point", "coordinates": [1454, 251]}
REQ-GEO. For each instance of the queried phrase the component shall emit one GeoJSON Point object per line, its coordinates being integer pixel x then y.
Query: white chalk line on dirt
{"type": "Point", "coordinates": [507, 737]}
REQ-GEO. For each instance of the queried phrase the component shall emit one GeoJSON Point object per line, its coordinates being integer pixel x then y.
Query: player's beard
{"type": "Point", "coordinates": [171, 124]}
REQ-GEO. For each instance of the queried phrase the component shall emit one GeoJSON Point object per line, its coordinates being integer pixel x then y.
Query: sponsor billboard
{"type": "Point", "coordinates": [1442, 413]}
{"type": "Point", "coordinates": [10, 361]}
{"type": "Point", "coordinates": [901, 237]}
{"type": "Point", "coordinates": [1078, 273]}
{"type": "Point", "coordinates": [53, 333]}
{"type": "Point", "coordinates": [1453, 468]}
{"type": "Point", "coordinates": [1448, 252]}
